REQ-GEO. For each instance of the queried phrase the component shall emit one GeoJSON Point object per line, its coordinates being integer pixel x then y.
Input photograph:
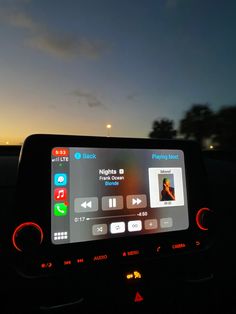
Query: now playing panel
{"type": "Point", "coordinates": [115, 192]}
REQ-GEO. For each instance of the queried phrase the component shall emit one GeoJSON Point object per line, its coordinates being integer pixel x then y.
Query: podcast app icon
{"type": "Point", "coordinates": [60, 179]}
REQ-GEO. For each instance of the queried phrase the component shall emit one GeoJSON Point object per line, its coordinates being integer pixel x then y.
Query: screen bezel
{"type": "Point", "coordinates": [94, 186]}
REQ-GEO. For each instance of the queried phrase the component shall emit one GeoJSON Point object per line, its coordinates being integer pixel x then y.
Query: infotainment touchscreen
{"type": "Point", "coordinates": [103, 193]}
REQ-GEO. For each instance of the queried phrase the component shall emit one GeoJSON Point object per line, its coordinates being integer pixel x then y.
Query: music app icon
{"type": "Point", "coordinates": [60, 194]}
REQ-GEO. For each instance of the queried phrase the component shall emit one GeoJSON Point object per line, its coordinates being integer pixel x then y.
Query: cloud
{"type": "Point", "coordinates": [62, 47]}
{"type": "Point", "coordinates": [91, 48]}
{"type": "Point", "coordinates": [17, 18]}
{"type": "Point", "coordinates": [44, 39]}
{"type": "Point", "coordinates": [132, 96]}
{"type": "Point", "coordinates": [67, 46]}
{"type": "Point", "coordinates": [89, 99]}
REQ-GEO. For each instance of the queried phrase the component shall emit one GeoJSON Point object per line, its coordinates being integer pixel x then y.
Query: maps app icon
{"type": "Point", "coordinates": [60, 179]}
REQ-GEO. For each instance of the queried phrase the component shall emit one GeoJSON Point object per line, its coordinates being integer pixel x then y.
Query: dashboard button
{"type": "Point", "coordinates": [133, 275]}
{"type": "Point", "coordinates": [101, 257]}
{"type": "Point", "coordinates": [138, 297]}
{"type": "Point", "coordinates": [198, 243]}
{"type": "Point", "coordinates": [158, 248]}
{"type": "Point", "coordinates": [47, 265]}
{"type": "Point", "coordinates": [80, 260]}
{"type": "Point", "coordinates": [178, 246]}
{"type": "Point", "coordinates": [130, 253]}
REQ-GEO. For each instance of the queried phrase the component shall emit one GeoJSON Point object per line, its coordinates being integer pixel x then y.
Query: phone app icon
{"type": "Point", "coordinates": [60, 179]}
{"type": "Point", "coordinates": [60, 209]}
{"type": "Point", "coordinates": [60, 194]}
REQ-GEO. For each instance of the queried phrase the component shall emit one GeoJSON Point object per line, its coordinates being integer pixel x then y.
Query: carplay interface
{"type": "Point", "coordinates": [103, 193]}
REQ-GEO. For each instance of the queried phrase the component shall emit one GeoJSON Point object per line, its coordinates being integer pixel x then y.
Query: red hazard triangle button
{"type": "Point", "coordinates": [138, 297]}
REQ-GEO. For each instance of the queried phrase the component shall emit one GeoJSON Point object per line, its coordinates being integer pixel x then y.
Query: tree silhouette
{"type": "Point", "coordinates": [163, 128]}
{"type": "Point", "coordinates": [198, 123]}
{"type": "Point", "coordinates": [225, 128]}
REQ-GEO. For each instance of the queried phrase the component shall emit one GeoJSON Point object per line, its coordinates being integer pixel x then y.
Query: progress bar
{"type": "Point", "coordinates": [104, 217]}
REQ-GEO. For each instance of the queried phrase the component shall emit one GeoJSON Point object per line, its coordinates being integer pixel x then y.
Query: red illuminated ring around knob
{"type": "Point", "coordinates": [198, 217]}
{"type": "Point", "coordinates": [20, 227]}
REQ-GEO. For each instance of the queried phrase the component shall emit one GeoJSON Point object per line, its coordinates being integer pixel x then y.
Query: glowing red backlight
{"type": "Point", "coordinates": [138, 297]}
{"type": "Point", "coordinates": [22, 226]}
{"type": "Point", "coordinates": [46, 265]}
{"type": "Point", "coordinates": [100, 257]}
{"type": "Point", "coordinates": [134, 252]}
{"type": "Point", "coordinates": [199, 216]}
{"type": "Point", "coordinates": [178, 246]}
{"type": "Point", "coordinates": [80, 260]}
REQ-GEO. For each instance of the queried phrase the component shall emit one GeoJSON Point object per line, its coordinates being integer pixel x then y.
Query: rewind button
{"type": "Point", "coordinates": [85, 204]}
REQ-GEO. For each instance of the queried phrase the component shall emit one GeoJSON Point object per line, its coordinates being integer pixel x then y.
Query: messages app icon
{"type": "Point", "coordinates": [60, 179]}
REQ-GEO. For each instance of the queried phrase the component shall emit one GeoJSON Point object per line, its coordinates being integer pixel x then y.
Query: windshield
{"type": "Point", "coordinates": [154, 68]}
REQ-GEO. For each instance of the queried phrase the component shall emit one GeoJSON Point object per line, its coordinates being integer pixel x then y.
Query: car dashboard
{"type": "Point", "coordinates": [115, 225]}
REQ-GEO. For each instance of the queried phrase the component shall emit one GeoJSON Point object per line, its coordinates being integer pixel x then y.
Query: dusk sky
{"type": "Point", "coordinates": [73, 66]}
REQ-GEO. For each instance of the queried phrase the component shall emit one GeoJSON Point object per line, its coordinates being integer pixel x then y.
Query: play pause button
{"type": "Point", "coordinates": [112, 202]}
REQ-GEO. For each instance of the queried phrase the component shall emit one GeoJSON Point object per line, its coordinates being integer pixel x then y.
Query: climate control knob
{"type": "Point", "coordinates": [27, 236]}
{"type": "Point", "coordinates": [203, 218]}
